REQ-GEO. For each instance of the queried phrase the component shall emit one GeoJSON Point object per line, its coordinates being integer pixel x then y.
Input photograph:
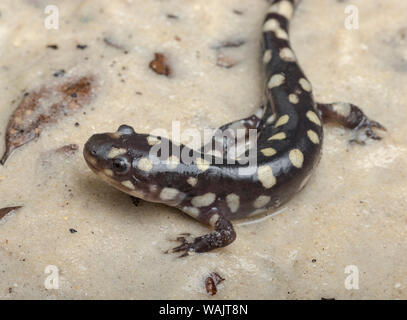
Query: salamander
{"type": "Point", "coordinates": [204, 183]}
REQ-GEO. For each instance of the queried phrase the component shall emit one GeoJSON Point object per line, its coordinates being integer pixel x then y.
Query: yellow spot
{"type": "Point", "coordinates": [202, 164]}
{"type": "Point", "coordinates": [283, 8]}
{"type": "Point", "coordinates": [214, 219]}
{"type": "Point", "coordinates": [313, 136]}
{"type": "Point", "coordinates": [173, 162]}
{"type": "Point", "coordinates": [296, 158]}
{"type": "Point", "coordinates": [276, 81]}
{"type": "Point", "coordinates": [168, 194]}
{"type": "Point", "coordinates": [342, 109]}
{"type": "Point", "coordinates": [287, 54]}
{"type": "Point", "coordinates": [144, 164]}
{"type": "Point", "coordinates": [282, 120]}
{"type": "Point", "coordinates": [192, 181]}
{"type": "Point", "coordinates": [271, 25]}
{"type": "Point", "coordinates": [108, 172]}
{"type": "Point", "coordinates": [193, 212]}
{"type": "Point", "coordinates": [204, 200]}
{"type": "Point", "coordinates": [233, 201]}
{"type": "Point", "coordinates": [261, 201]}
{"type": "Point", "coordinates": [268, 152]}
{"type": "Point", "coordinates": [293, 98]}
{"type": "Point", "coordinates": [266, 176]}
{"type": "Point", "coordinates": [305, 84]}
{"type": "Point", "coordinates": [268, 54]}
{"type": "Point", "coordinates": [128, 185]}
{"type": "Point", "coordinates": [278, 136]}
{"type": "Point", "coordinates": [114, 152]}
{"type": "Point", "coordinates": [271, 119]}
{"type": "Point", "coordinates": [152, 140]}
{"type": "Point", "coordinates": [312, 116]}
{"type": "Point", "coordinates": [92, 161]}
{"type": "Point", "coordinates": [281, 34]}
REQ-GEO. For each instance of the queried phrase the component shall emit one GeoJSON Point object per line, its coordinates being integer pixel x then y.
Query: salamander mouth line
{"type": "Point", "coordinates": [90, 160]}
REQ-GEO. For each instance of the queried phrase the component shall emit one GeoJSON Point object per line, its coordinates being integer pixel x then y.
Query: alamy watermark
{"type": "Point", "coordinates": [231, 146]}
{"type": "Point", "coordinates": [51, 22]}
{"type": "Point", "coordinates": [51, 282]}
{"type": "Point", "coordinates": [352, 19]}
{"type": "Point", "coordinates": [352, 280]}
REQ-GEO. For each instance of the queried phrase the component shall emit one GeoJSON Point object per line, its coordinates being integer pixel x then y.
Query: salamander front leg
{"type": "Point", "coordinates": [351, 117]}
{"type": "Point", "coordinates": [227, 134]}
{"type": "Point", "coordinates": [223, 235]}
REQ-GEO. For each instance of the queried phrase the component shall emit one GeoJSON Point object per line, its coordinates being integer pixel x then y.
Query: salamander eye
{"type": "Point", "coordinates": [125, 129]}
{"type": "Point", "coordinates": [120, 165]}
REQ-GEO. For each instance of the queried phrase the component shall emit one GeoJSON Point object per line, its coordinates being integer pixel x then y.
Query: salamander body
{"type": "Point", "coordinates": [205, 183]}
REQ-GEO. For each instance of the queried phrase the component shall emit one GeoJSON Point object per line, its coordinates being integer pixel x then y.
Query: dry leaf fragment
{"type": "Point", "coordinates": [211, 282]}
{"type": "Point", "coordinates": [68, 149]}
{"type": "Point", "coordinates": [5, 211]}
{"type": "Point", "coordinates": [112, 44]}
{"type": "Point", "coordinates": [233, 43]}
{"type": "Point", "coordinates": [39, 109]}
{"type": "Point", "coordinates": [225, 62]}
{"type": "Point", "coordinates": [159, 65]}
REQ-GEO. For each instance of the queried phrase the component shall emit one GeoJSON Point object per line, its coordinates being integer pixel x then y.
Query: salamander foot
{"type": "Point", "coordinates": [351, 117]}
{"type": "Point", "coordinates": [223, 235]}
{"type": "Point", "coordinates": [365, 131]}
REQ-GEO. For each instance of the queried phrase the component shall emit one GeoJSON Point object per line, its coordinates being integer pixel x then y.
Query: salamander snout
{"type": "Point", "coordinates": [97, 146]}
{"type": "Point", "coordinates": [106, 151]}
{"type": "Point", "coordinates": [113, 156]}
{"type": "Point", "coordinates": [104, 146]}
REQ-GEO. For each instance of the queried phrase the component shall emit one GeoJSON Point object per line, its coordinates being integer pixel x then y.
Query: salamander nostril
{"type": "Point", "coordinates": [93, 152]}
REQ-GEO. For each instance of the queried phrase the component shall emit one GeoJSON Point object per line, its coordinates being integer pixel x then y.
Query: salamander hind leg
{"type": "Point", "coordinates": [351, 117]}
{"type": "Point", "coordinates": [223, 235]}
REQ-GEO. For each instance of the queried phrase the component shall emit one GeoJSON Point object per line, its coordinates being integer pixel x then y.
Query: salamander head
{"type": "Point", "coordinates": [115, 157]}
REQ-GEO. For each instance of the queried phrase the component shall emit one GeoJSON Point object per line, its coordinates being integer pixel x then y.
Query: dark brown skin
{"type": "Point", "coordinates": [288, 137]}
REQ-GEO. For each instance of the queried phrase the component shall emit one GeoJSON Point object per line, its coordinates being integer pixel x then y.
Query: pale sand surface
{"type": "Point", "coordinates": [353, 211]}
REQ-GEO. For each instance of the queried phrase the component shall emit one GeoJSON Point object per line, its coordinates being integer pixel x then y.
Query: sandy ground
{"type": "Point", "coordinates": [352, 213]}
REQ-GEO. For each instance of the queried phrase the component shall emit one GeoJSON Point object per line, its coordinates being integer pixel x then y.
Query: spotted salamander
{"type": "Point", "coordinates": [287, 148]}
